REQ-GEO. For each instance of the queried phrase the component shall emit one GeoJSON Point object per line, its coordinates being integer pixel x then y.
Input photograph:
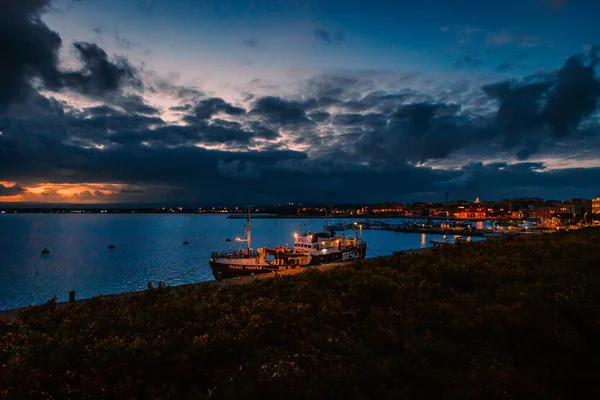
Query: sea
{"type": "Point", "coordinates": [148, 248]}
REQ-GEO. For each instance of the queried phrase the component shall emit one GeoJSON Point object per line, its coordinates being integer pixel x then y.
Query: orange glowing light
{"type": "Point", "coordinates": [46, 192]}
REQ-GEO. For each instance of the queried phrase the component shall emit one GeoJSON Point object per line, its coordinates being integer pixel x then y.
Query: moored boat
{"type": "Point", "coordinates": [309, 249]}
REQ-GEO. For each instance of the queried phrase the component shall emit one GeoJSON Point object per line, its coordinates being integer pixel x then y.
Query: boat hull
{"type": "Point", "coordinates": [225, 270]}
{"type": "Point", "coordinates": [358, 253]}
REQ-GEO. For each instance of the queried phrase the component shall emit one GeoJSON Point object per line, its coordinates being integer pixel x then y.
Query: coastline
{"type": "Point", "coordinates": [11, 314]}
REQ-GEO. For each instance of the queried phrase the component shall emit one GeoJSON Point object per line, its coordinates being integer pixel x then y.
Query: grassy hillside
{"type": "Point", "coordinates": [508, 318]}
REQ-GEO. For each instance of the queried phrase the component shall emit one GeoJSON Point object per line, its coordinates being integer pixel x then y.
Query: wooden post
{"type": "Point", "coordinates": [72, 296]}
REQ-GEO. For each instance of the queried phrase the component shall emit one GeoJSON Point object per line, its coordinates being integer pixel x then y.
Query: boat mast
{"type": "Point", "coordinates": [326, 224]}
{"type": "Point", "coordinates": [249, 228]}
{"type": "Point", "coordinates": [447, 214]}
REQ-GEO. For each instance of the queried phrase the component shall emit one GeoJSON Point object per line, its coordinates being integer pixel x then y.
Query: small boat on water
{"type": "Point", "coordinates": [448, 241]}
{"type": "Point", "coordinates": [309, 249]}
{"type": "Point", "coordinates": [185, 242]}
{"type": "Point", "coordinates": [45, 251]}
{"type": "Point", "coordinates": [111, 246]}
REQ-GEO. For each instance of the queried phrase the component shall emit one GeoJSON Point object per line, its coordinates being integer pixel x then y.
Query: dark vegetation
{"type": "Point", "coordinates": [508, 318]}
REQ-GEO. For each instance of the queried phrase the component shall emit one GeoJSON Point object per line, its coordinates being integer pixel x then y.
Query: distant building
{"type": "Point", "coordinates": [524, 204]}
{"type": "Point", "coordinates": [470, 213]}
{"type": "Point", "coordinates": [596, 205]}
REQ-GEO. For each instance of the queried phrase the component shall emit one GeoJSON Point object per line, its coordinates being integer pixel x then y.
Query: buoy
{"type": "Point", "coordinates": [186, 242]}
{"type": "Point", "coordinates": [112, 246]}
{"type": "Point", "coordinates": [45, 251]}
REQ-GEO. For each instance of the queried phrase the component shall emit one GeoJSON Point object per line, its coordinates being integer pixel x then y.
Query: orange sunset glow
{"type": "Point", "coordinates": [84, 193]}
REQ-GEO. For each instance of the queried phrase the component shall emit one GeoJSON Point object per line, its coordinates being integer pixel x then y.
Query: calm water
{"type": "Point", "coordinates": [148, 248]}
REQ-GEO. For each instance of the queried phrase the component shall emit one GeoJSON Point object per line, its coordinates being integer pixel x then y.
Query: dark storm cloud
{"type": "Point", "coordinates": [416, 133]}
{"type": "Point", "coordinates": [319, 116]}
{"type": "Point", "coordinates": [207, 108]}
{"type": "Point", "coordinates": [100, 124]}
{"type": "Point", "coordinates": [235, 133]}
{"type": "Point", "coordinates": [30, 54]}
{"type": "Point", "coordinates": [575, 94]}
{"type": "Point", "coordinates": [545, 107]}
{"type": "Point", "coordinates": [280, 111]}
{"type": "Point", "coordinates": [135, 104]}
{"type": "Point", "coordinates": [28, 49]}
{"type": "Point", "coordinates": [372, 120]}
{"type": "Point", "coordinates": [33, 152]}
{"type": "Point", "coordinates": [475, 177]}
{"type": "Point", "coordinates": [132, 190]}
{"type": "Point", "coordinates": [10, 190]}
{"type": "Point", "coordinates": [329, 36]}
{"type": "Point", "coordinates": [420, 116]}
{"type": "Point", "coordinates": [520, 104]}
{"type": "Point", "coordinates": [134, 130]}
{"type": "Point", "coordinates": [100, 76]}
{"type": "Point", "coordinates": [362, 142]}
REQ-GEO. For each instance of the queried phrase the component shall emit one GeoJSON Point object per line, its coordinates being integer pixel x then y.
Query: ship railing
{"type": "Point", "coordinates": [234, 254]}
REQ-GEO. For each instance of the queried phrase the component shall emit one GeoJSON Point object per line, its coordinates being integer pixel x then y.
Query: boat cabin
{"type": "Point", "coordinates": [318, 242]}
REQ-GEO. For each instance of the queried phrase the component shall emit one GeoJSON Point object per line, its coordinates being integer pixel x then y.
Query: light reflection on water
{"type": "Point", "coordinates": [148, 248]}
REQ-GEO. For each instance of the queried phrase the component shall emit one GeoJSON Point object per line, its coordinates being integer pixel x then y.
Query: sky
{"type": "Point", "coordinates": [180, 102]}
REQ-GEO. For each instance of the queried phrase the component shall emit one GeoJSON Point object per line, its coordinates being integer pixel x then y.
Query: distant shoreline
{"type": "Point", "coordinates": [366, 216]}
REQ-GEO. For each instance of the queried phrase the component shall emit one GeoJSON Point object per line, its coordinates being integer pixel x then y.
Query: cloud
{"type": "Point", "coordinates": [29, 50]}
{"type": "Point", "coordinates": [506, 38]}
{"type": "Point", "coordinates": [378, 132]}
{"type": "Point", "coordinates": [546, 107]}
{"type": "Point", "coordinates": [520, 104]}
{"type": "Point", "coordinates": [280, 111]}
{"type": "Point", "coordinates": [100, 76]}
{"type": "Point", "coordinates": [252, 43]}
{"type": "Point", "coordinates": [132, 190]}
{"type": "Point", "coordinates": [13, 190]}
{"type": "Point", "coordinates": [30, 60]}
{"type": "Point", "coordinates": [236, 169]}
{"type": "Point", "coordinates": [207, 108]}
{"type": "Point", "coordinates": [575, 94]}
{"type": "Point", "coordinates": [334, 37]}
{"type": "Point", "coordinates": [134, 104]}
